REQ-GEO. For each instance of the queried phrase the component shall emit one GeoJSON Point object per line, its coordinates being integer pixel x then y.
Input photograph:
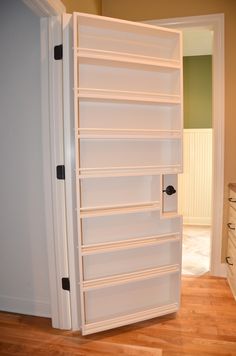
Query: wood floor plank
{"type": "Point", "coordinates": [205, 325]}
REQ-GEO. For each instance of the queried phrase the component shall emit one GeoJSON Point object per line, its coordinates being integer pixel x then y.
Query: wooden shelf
{"type": "Point", "coordinates": [129, 244]}
{"type": "Point", "coordinates": [127, 96]}
{"type": "Point", "coordinates": [91, 56]}
{"type": "Point", "coordinates": [109, 133]}
{"type": "Point", "coordinates": [119, 209]}
{"type": "Point", "coordinates": [130, 318]}
{"type": "Point", "coordinates": [85, 173]}
{"type": "Point", "coordinates": [129, 277]}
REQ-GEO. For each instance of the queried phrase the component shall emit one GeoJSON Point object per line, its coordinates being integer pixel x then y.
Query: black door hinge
{"type": "Point", "coordinates": [61, 172]}
{"type": "Point", "coordinates": [58, 52]}
{"type": "Point", "coordinates": [65, 283]}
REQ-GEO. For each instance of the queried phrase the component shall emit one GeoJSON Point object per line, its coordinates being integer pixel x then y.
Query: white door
{"type": "Point", "coordinates": [127, 84]}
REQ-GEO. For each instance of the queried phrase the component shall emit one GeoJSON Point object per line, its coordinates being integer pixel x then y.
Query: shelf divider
{"type": "Point", "coordinates": [99, 172]}
{"type": "Point", "coordinates": [91, 55]}
{"type": "Point", "coordinates": [129, 277]}
{"type": "Point", "coordinates": [89, 212]}
{"type": "Point", "coordinates": [122, 95]}
{"type": "Point", "coordinates": [129, 244]}
{"type": "Point", "coordinates": [110, 133]}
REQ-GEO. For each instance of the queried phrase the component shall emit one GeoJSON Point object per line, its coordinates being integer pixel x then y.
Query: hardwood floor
{"type": "Point", "coordinates": [205, 325]}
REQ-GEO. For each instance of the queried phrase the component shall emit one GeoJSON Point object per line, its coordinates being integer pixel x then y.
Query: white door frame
{"type": "Point", "coordinates": [54, 155]}
{"type": "Point", "coordinates": [52, 33]}
{"type": "Point", "coordinates": [216, 23]}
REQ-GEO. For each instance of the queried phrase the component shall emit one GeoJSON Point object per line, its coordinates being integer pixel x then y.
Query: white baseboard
{"type": "Point", "coordinates": [222, 270]}
{"type": "Point", "coordinates": [196, 220]}
{"type": "Point", "coordinates": [25, 306]}
{"type": "Point", "coordinates": [218, 270]}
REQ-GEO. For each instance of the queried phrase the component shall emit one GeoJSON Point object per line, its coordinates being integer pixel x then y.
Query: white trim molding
{"type": "Point", "coordinates": [70, 182]}
{"type": "Point", "coordinates": [50, 12]}
{"type": "Point", "coordinates": [53, 155]}
{"type": "Point", "coordinates": [45, 8]}
{"type": "Point", "coordinates": [215, 23]}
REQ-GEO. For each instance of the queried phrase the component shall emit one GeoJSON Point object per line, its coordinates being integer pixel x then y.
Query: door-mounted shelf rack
{"type": "Point", "coordinates": [128, 147]}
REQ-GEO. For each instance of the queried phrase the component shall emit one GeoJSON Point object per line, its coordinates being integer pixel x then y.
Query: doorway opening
{"type": "Point", "coordinates": [214, 23]}
{"type": "Point", "coordinates": [195, 184]}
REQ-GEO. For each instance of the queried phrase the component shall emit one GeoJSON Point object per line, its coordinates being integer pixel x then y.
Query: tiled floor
{"type": "Point", "coordinates": [196, 250]}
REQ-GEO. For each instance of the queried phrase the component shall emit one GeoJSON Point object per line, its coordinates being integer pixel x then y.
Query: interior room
{"type": "Point", "coordinates": [91, 228]}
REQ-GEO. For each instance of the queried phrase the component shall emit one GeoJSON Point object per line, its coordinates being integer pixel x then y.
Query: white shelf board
{"type": "Point", "coordinates": [109, 133]}
{"type": "Point", "coordinates": [91, 56]}
{"type": "Point", "coordinates": [119, 209]}
{"type": "Point", "coordinates": [85, 173]}
{"type": "Point", "coordinates": [127, 96]}
{"type": "Point", "coordinates": [129, 277]}
{"type": "Point", "coordinates": [92, 249]}
{"type": "Point", "coordinates": [130, 318]}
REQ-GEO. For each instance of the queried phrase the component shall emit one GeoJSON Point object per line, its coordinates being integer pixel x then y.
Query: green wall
{"type": "Point", "coordinates": [197, 92]}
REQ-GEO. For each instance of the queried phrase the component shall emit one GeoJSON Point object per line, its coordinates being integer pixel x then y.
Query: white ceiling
{"type": "Point", "coordinates": [197, 42]}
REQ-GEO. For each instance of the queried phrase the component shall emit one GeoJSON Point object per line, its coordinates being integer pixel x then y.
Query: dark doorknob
{"type": "Point", "coordinates": [227, 261]}
{"type": "Point", "coordinates": [169, 190]}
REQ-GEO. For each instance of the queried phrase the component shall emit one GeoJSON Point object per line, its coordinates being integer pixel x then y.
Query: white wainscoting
{"type": "Point", "coordinates": [195, 184]}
